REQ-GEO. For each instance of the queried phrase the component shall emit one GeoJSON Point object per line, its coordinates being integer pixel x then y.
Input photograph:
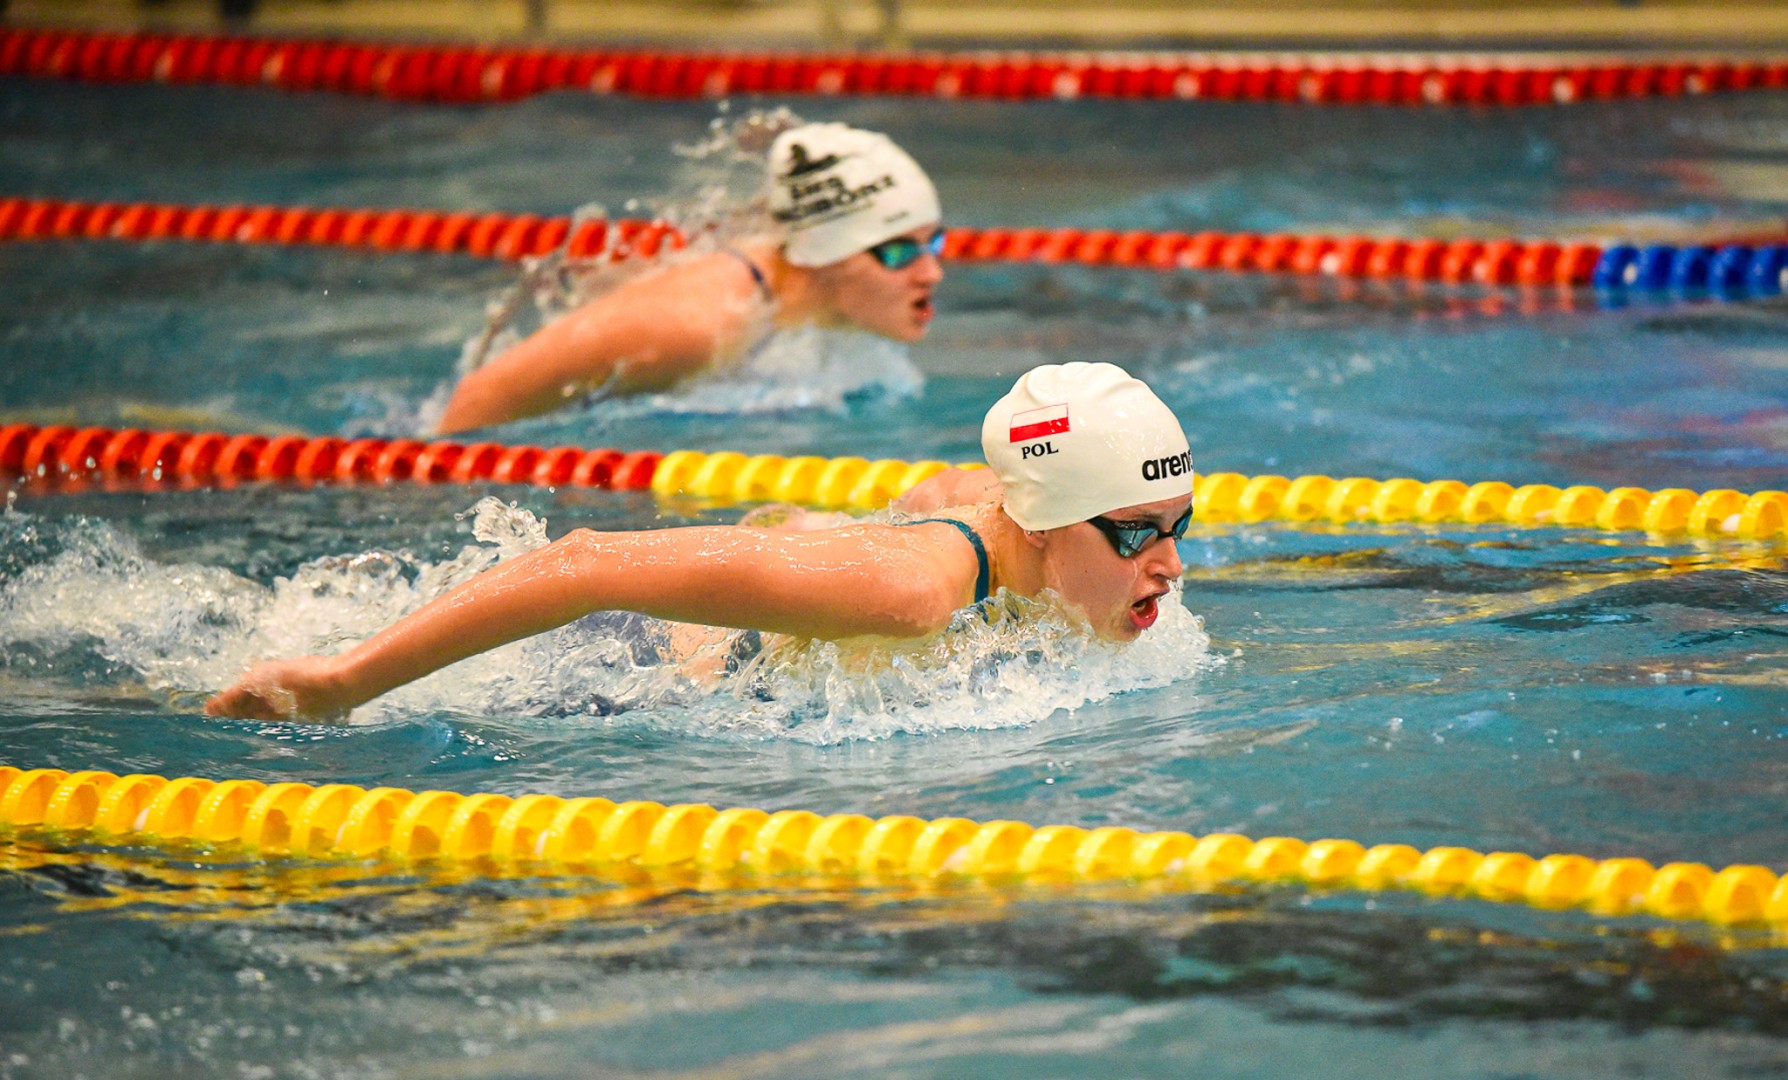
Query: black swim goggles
{"type": "Point", "coordinates": [903, 251]}
{"type": "Point", "coordinates": [1130, 538]}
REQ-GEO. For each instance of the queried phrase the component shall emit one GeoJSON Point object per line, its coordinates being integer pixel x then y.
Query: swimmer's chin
{"type": "Point", "coordinates": [1123, 627]}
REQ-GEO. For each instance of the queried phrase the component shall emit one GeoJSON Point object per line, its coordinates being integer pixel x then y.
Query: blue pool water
{"type": "Point", "coordinates": [1533, 690]}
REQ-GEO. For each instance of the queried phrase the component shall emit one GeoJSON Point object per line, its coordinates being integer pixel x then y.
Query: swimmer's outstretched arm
{"type": "Point", "coordinates": [866, 579]}
{"type": "Point", "coordinates": [645, 336]}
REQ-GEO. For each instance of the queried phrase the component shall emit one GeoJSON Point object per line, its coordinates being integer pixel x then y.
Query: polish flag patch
{"type": "Point", "coordinates": [1049, 420]}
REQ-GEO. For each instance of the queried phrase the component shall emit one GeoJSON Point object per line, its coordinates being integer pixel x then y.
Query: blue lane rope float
{"type": "Point", "coordinates": [1728, 270]}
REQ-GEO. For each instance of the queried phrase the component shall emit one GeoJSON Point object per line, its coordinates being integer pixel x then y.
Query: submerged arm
{"type": "Point", "coordinates": [839, 583]}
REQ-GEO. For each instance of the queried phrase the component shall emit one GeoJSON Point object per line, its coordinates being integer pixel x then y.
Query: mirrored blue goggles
{"type": "Point", "coordinates": [903, 251]}
{"type": "Point", "coordinates": [1130, 538]}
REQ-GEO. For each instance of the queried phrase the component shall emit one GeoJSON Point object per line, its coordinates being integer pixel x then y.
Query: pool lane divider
{"type": "Point", "coordinates": [1731, 270]}
{"type": "Point", "coordinates": [471, 74]}
{"type": "Point", "coordinates": [504, 236]}
{"type": "Point", "coordinates": [133, 457]}
{"type": "Point", "coordinates": [68, 458]}
{"type": "Point", "coordinates": [551, 835]}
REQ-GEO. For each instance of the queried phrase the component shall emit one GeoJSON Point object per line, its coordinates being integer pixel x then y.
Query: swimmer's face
{"type": "Point", "coordinates": [896, 304]}
{"type": "Point", "coordinates": [1119, 596]}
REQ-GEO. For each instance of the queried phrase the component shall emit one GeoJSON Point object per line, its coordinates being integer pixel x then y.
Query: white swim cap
{"type": "Point", "coordinates": [837, 190]}
{"type": "Point", "coordinates": [1073, 441]}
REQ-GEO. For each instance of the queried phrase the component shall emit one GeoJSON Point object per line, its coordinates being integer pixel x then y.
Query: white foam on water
{"type": "Point", "coordinates": [1009, 662]}
{"type": "Point", "coordinates": [801, 368]}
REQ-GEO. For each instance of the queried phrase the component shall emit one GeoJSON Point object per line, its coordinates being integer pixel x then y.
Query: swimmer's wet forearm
{"type": "Point", "coordinates": [513, 600]}
{"type": "Point", "coordinates": [663, 574]}
{"type": "Point", "coordinates": [533, 376]}
{"type": "Point", "coordinates": [525, 596]}
{"type": "Point", "coordinates": [824, 585]}
{"type": "Point", "coordinates": [509, 388]}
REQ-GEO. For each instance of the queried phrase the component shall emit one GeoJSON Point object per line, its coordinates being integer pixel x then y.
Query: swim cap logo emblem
{"type": "Point", "coordinates": [819, 197]}
{"type": "Point", "coordinates": [800, 164]}
{"type": "Point", "coordinates": [829, 196]}
{"type": "Point", "coordinates": [1163, 467]}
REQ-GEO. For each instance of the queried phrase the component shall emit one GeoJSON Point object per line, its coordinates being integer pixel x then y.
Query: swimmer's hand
{"type": "Point", "coordinates": [308, 688]}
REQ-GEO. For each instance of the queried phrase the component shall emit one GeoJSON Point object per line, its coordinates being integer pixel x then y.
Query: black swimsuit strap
{"type": "Point", "coordinates": [984, 575]}
{"type": "Point", "coordinates": [757, 275]}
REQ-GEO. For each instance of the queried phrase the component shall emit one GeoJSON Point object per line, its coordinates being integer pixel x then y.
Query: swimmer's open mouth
{"type": "Point", "coordinates": [922, 307]}
{"type": "Point", "coordinates": [1144, 612]}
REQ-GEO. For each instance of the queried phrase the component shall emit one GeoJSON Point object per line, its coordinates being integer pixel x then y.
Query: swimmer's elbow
{"type": "Point", "coordinates": [580, 544]}
{"type": "Point", "coordinates": [917, 608]}
{"type": "Point", "coordinates": [456, 417]}
{"type": "Point", "coordinates": [476, 402]}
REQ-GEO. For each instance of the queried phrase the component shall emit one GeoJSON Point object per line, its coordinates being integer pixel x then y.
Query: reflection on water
{"type": "Point", "coordinates": [532, 969]}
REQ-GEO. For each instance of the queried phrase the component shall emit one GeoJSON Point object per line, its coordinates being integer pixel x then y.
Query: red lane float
{"type": "Point", "coordinates": [1497, 262]}
{"type": "Point", "coordinates": [1738, 269]}
{"type": "Point", "coordinates": [1743, 268]}
{"type": "Point", "coordinates": [467, 74]}
{"type": "Point", "coordinates": [69, 457]}
{"type": "Point", "coordinates": [491, 235]}
{"type": "Point", "coordinates": [517, 236]}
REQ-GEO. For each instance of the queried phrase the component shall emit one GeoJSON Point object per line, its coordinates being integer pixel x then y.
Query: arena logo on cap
{"type": "Point", "coordinates": [1037, 423]}
{"type": "Point", "coordinates": [1163, 467]}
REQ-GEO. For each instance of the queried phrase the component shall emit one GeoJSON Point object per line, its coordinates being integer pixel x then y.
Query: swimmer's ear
{"type": "Point", "coordinates": [1035, 536]}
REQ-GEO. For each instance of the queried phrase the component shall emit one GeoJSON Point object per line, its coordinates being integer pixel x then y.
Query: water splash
{"type": "Point", "coordinates": [1008, 662]}
{"type": "Point", "coordinates": [80, 602]}
{"type": "Point", "coordinates": [716, 199]}
{"type": "Point", "coordinates": [803, 368]}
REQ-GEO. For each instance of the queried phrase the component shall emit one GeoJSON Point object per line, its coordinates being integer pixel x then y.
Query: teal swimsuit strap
{"type": "Point", "coordinates": [984, 576]}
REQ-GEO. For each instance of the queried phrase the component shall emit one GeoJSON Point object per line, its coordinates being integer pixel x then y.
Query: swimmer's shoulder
{"type": "Point", "coordinates": [968, 522]}
{"type": "Point", "coordinates": [964, 491]}
{"type": "Point", "coordinates": [710, 296]}
{"type": "Point", "coordinates": [704, 278]}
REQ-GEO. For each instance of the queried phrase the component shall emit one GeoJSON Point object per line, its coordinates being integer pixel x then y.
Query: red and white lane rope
{"type": "Point", "coordinates": [1732, 270]}
{"type": "Point", "coordinates": [465, 74]}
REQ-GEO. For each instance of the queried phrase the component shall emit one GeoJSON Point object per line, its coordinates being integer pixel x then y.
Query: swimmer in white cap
{"type": "Point", "coordinates": [857, 244]}
{"type": "Point", "coordinates": [1089, 485]}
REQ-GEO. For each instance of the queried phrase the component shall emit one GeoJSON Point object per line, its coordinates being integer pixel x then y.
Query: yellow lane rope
{"type": "Point", "coordinates": [551, 835]}
{"type": "Point", "coordinates": [60, 456]}
{"type": "Point", "coordinates": [857, 483]}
